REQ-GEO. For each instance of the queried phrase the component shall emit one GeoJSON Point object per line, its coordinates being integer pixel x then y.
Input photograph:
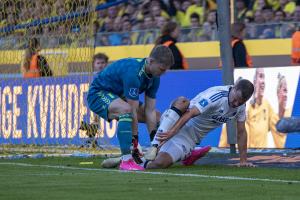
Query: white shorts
{"type": "Point", "coordinates": [178, 147]}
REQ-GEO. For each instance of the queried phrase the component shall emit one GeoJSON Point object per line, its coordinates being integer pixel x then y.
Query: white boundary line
{"type": "Point", "coordinates": [154, 173]}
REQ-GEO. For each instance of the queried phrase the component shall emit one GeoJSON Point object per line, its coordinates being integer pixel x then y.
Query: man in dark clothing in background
{"type": "Point", "coordinates": [170, 33]}
{"type": "Point", "coordinates": [241, 58]}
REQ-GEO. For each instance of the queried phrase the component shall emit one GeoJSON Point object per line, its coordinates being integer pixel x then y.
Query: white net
{"type": "Point", "coordinates": [45, 67]}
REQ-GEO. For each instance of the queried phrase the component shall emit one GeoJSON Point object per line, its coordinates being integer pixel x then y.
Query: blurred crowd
{"type": "Point", "coordinates": [139, 21]}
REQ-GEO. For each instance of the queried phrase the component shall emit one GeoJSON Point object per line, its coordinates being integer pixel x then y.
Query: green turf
{"type": "Point", "coordinates": [20, 182]}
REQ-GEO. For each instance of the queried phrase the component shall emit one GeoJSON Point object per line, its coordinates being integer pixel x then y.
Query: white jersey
{"type": "Point", "coordinates": [215, 110]}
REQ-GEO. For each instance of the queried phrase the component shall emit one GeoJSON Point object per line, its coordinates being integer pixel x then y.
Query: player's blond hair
{"type": "Point", "coordinates": [162, 54]}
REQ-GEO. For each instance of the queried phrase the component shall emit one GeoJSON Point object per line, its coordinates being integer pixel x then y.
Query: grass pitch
{"type": "Point", "coordinates": [65, 178]}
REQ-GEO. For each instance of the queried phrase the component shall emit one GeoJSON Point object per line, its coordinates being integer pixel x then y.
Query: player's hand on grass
{"type": "Point", "coordinates": [246, 164]}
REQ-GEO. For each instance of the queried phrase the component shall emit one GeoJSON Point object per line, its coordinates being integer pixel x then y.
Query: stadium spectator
{"type": "Point", "coordinates": [195, 20]}
{"type": "Point", "coordinates": [241, 10]}
{"type": "Point", "coordinates": [287, 6]}
{"type": "Point", "coordinates": [279, 16]}
{"type": "Point", "coordinates": [148, 35]}
{"type": "Point", "coordinates": [112, 12]}
{"type": "Point", "coordinates": [156, 11]}
{"type": "Point", "coordinates": [241, 58]}
{"type": "Point", "coordinates": [259, 4]}
{"type": "Point", "coordinates": [181, 9]}
{"type": "Point", "coordinates": [101, 17]}
{"type": "Point", "coordinates": [160, 11]}
{"type": "Point", "coordinates": [197, 8]}
{"type": "Point", "coordinates": [209, 26]}
{"type": "Point", "coordinates": [169, 35]}
{"type": "Point", "coordinates": [34, 65]}
{"type": "Point", "coordinates": [194, 34]}
{"type": "Point", "coordinates": [258, 17]}
{"type": "Point", "coordinates": [160, 21]}
{"type": "Point", "coordinates": [296, 14]}
{"type": "Point", "coordinates": [267, 14]}
{"type": "Point", "coordinates": [108, 25]}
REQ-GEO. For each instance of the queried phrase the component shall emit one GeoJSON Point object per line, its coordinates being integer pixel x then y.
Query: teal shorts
{"type": "Point", "coordinates": [99, 102]}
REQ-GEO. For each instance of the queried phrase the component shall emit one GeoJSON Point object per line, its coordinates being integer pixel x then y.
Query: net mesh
{"type": "Point", "coordinates": [46, 111]}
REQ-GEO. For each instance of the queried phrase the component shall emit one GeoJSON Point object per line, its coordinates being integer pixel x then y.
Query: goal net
{"type": "Point", "coordinates": [45, 67]}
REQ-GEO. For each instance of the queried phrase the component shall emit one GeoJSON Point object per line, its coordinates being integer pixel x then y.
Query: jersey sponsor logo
{"type": "Point", "coordinates": [203, 102]}
{"type": "Point", "coordinates": [220, 118]}
{"type": "Point", "coordinates": [133, 92]}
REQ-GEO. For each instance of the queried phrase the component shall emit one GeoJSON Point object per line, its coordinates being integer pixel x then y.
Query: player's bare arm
{"type": "Point", "coordinates": [242, 144]}
{"type": "Point", "coordinates": [150, 113]}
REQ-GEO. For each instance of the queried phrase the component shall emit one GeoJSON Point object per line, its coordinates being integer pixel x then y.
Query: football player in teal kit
{"type": "Point", "coordinates": [114, 94]}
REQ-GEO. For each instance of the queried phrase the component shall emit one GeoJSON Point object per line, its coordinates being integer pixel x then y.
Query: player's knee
{"type": "Point", "coordinates": [162, 161]}
{"type": "Point", "coordinates": [126, 108]}
{"type": "Point", "coordinates": [162, 164]}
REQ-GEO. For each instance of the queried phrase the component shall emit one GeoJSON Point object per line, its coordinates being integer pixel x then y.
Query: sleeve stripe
{"type": "Point", "coordinates": [217, 95]}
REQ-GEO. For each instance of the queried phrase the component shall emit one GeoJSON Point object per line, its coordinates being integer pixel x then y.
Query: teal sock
{"type": "Point", "coordinates": [124, 132]}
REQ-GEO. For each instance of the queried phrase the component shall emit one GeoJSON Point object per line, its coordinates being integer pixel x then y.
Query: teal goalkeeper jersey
{"type": "Point", "coordinates": [126, 78]}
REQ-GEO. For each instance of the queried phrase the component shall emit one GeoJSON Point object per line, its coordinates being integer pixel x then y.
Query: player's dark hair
{"type": "Point", "coordinates": [246, 88]}
{"type": "Point", "coordinates": [162, 54]}
{"type": "Point", "coordinates": [100, 56]}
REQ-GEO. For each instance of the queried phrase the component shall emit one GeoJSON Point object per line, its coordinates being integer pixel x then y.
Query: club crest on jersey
{"type": "Point", "coordinates": [133, 92]}
{"type": "Point", "coordinates": [203, 102]}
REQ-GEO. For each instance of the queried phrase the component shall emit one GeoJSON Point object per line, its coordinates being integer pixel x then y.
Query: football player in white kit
{"type": "Point", "coordinates": [207, 111]}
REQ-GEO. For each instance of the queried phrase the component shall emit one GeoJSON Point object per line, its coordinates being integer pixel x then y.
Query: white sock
{"type": "Point", "coordinates": [168, 119]}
